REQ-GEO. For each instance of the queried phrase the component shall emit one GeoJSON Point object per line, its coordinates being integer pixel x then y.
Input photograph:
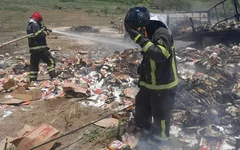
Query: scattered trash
{"type": "Point", "coordinates": [5, 113]}
{"type": "Point", "coordinates": [2, 107]}
{"type": "Point", "coordinates": [184, 27]}
{"type": "Point", "coordinates": [179, 27]}
{"type": "Point", "coordinates": [53, 37]}
{"type": "Point", "coordinates": [30, 137]}
{"type": "Point", "coordinates": [208, 95]}
{"type": "Point", "coordinates": [131, 139]}
{"type": "Point", "coordinates": [9, 84]}
{"type": "Point", "coordinates": [131, 93]}
{"type": "Point", "coordinates": [73, 89]}
{"type": "Point", "coordinates": [118, 145]}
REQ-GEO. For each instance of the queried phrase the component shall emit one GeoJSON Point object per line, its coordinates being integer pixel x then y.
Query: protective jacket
{"type": "Point", "coordinates": [38, 40]}
{"type": "Point", "coordinates": [158, 69]}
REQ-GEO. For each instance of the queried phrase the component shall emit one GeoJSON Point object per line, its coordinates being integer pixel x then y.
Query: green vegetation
{"type": "Point", "coordinates": [89, 12]}
{"type": "Point", "coordinates": [115, 7]}
{"type": "Point", "coordinates": [103, 136]}
{"type": "Point", "coordinates": [67, 0]}
{"type": "Point", "coordinates": [107, 6]}
{"type": "Point", "coordinates": [105, 11]}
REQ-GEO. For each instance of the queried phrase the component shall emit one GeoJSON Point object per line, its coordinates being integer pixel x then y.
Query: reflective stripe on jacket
{"type": "Point", "coordinates": [38, 40]}
{"type": "Point", "coordinates": [158, 70]}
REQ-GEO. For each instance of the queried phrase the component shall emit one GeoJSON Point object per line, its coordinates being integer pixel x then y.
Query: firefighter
{"type": "Point", "coordinates": [38, 46]}
{"type": "Point", "coordinates": [120, 27]}
{"type": "Point", "coordinates": [158, 80]}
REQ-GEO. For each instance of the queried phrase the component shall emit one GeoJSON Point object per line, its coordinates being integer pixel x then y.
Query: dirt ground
{"type": "Point", "coordinates": [62, 114]}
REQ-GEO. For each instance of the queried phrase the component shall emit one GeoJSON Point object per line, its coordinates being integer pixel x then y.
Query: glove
{"type": "Point", "coordinates": [137, 37]}
{"type": "Point", "coordinates": [132, 33]}
{"type": "Point", "coordinates": [46, 29]}
{"type": "Point", "coordinates": [49, 30]}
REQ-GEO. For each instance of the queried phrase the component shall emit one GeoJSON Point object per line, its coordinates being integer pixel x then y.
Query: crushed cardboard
{"type": "Point", "coordinates": [6, 144]}
{"type": "Point", "coordinates": [24, 97]}
{"type": "Point", "coordinates": [130, 92]}
{"type": "Point", "coordinates": [35, 93]}
{"type": "Point", "coordinates": [27, 128]}
{"type": "Point", "coordinates": [10, 83]}
{"type": "Point", "coordinates": [27, 95]}
{"type": "Point", "coordinates": [107, 123]}
{"type": "Point", "coordinates": [11, 101]}
{"type": "Point", "coordinates": [35, 137]}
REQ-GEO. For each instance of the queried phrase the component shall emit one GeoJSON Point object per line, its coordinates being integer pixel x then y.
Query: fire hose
{"type": "Point", "coordinates": [15, 40]}
{"type": "Point", "coordinates": [20, 38]}
{"type": "Point", "coordinates": [75, 130]}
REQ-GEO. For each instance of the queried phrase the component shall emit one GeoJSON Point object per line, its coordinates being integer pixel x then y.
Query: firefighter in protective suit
{"type": "Point", "coordinates": [158, 73]}
{"type": "Point", "coordinates": [38, 47]}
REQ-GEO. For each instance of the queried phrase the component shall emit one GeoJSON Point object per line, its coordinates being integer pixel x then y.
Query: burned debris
{"type": "Point", "coordinates": [209, 92]}
{"type": "Point", "coordinates": [85, 29]}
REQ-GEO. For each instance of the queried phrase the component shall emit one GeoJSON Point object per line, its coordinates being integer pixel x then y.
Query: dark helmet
{"type": "Point", "coordinates": [137, 17]}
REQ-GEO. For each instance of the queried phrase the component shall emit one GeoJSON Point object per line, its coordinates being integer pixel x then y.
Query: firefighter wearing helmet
{"type": "Point", "coordinates": [158, 73]}
{"type": "Point", "coordinates": [38, 46]}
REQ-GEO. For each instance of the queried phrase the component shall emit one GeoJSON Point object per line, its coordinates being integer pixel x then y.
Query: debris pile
{"type": "Point", "coordinates": [179, 27]}
{"type": "Point", "coordinates": [209, 93]}
{"type": "Point", "coordinates": [85, 29]}
{"type": "Point", "coordinates": [206, 114]}
{"type": "Point", "coordinates": [109, 82]}
{"type": "Point", "coordinates": [206, 27]}
{"type": "Point", "coordinates": [207, 104]}
{"type": "Point", "coordinates": [223, 26]}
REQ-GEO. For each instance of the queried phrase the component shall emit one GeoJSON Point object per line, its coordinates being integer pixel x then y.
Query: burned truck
{"type": "Point", "coordinates": [222, 26]}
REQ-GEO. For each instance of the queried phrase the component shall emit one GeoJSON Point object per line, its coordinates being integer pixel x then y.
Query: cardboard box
{"type": "Point", "coordinates": [37, 136]}
{"type": "Point", "coordinates": [27, 95]}
{"type": "Point", "coordinates": [36, 94]}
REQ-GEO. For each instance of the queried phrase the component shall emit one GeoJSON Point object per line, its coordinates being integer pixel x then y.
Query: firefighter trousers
{"type": "Point", "coordinates": [156, 105]}
{"type": "Point", "coordinates": [35, 58]}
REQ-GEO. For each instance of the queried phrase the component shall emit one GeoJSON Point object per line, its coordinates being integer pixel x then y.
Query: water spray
{"type": "Point", "coordinates": [109, 41]}
{"type": "Point", "coordinates": [93, 38]}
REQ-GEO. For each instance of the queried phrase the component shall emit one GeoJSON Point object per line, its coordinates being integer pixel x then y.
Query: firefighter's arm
{"type": "Point", "coordinates": [157, 53]}
{"type": "Point", "coordinates": [46, 29]}
{"type": "Point", "coordinates": [38, 32]}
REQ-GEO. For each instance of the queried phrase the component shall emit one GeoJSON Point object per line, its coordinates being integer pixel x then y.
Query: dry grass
{"type": "Point", "coordinates": [13, 24]}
